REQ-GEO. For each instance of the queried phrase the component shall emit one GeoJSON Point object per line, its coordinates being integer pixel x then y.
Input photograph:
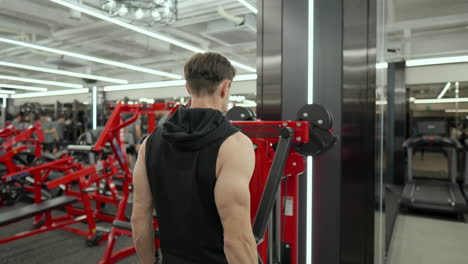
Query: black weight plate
{"type": "Point", "coordinates": [254, 115]}
{"type": "Point", "coordinates": [238, 113]}
{"type": "Point", "coordinates": [320, 141]}
{"type": "Point", "coordinates": [316, 115]}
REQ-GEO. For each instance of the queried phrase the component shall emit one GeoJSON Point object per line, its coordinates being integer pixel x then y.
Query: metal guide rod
{"type": "Point", "coordinates": [272, 186]}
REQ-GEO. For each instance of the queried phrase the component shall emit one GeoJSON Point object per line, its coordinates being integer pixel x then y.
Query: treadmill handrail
{"type": "Point", "coordinates": [436, 140]}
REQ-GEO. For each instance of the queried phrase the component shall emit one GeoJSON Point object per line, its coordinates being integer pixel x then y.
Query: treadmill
{"type": "Point", "coordinates": [431, 194]}
{"type": "Point", "coordinates": [465, 178]}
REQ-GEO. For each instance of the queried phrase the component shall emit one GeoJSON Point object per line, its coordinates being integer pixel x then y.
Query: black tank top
{"type": "Point", "coordinates": [181, 166]}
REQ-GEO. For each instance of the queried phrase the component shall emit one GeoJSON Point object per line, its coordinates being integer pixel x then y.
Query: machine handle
{"type": "Point", "coordinates": [82, 148]}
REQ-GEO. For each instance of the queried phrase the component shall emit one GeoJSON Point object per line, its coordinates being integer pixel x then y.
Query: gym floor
{"type": "Point", "coordinates": [54, 247]}
{"type": "Point", "coordinates": [423, 240]}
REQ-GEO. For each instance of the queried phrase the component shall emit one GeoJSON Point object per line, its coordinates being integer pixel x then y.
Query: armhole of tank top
{"type": "Point", "coordinates": [230, 134]}
{"type": "Point", "coordinates": [149, 142]}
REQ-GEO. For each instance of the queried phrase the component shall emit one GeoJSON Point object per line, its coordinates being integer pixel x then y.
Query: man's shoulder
{"type": "Point", "coordinates": [238, 140]}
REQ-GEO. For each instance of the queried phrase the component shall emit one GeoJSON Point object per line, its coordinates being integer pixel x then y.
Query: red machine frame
{"type": "Point", "coordinates": [45, 221]}
{"type": "Point", "coordinates": [263, 134]}
{"type": "Point", "coordinates": [114, 165]}
{"type": "Point", "coordinates": [11, 147]}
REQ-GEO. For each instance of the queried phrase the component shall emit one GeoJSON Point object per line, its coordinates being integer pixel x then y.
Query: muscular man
{"type": "Point", "coordinates": [195, 171]}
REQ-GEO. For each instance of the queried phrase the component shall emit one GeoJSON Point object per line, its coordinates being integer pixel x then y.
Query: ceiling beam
{"type": "Point", "coordinates": [427, 23]}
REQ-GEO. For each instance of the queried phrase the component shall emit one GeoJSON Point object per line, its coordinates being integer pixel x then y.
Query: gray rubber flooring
{"type": "Point", "coordinates": [421, 240]}
{"type": "Point", "coordinates": [54, 247]}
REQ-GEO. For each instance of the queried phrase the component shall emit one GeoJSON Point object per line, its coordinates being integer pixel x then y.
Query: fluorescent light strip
{"type": "Point", "coordinates": [434, 61]}
{"type": "Point", "coordinates": [20, 79]}
{"type": "Point", "coordinates": [245, 77]}
{"type": "Point", "coordinates": [381, 102]}
{"type": "Point", "coordinates": [440, 101]}
{"type": "Point", "coordinates": [446, 88]}
{"type": "Point", "coordinates": [381, 65]}
{"type": "Point", "coordinates": [249, 6]}
{"type": "Point", "coordinates": [67, 73]}
{"type": "Point", "coordinates": [90, 58]}
{"type": "Point", "coordinates": [3, 92]}
{"type": "Point", "coordinates": [94, 107]}
{"type": "Point", "coordinates": [242, 77]}
{"type": "Point", "coordinates": [144, 85]}
{"type": "Point", "coordinates": [97, 14]}
{"type": "Point", "coordinates": [51, 93]}
{"type": "Point", "coordinates": [22, 87]}
{"type": "Point", "coordinates": [456, 110]}
{"type": "Point", "coordinates": [310, 173]}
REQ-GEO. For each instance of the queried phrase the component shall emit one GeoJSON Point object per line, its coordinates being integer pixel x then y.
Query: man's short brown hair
{"type": "Point", "coordinates": [205, 71]}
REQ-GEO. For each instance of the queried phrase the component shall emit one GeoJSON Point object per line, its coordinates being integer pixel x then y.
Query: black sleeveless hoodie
{"type": "Point", "coordinates": [181, 165]}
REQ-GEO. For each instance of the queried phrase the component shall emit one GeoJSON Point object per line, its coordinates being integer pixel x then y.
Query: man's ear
{"type": "Point", "coordinates": [225, 85]}
{"type": "Point", "coordinates": [187, 88]}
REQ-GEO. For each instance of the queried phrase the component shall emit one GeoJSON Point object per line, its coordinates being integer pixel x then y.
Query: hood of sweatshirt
{"type": "Point", "coordinates": [192, 128]}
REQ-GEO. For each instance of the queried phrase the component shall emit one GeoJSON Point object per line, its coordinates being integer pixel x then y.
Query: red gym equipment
{"type": "Point", "coordinates": [15, 144]}
{"type": "Point", "coordinates": [280, 150]}
{"type": "Point", "coordinates": [112, 166]}
{"type": "Point", "coordinates": [12, 137]}
{"type": "Point", "coordinates": [42, 210]}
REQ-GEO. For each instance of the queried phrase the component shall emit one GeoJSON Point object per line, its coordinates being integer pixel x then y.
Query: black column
{"type": "Point", "coordinates": [344, 82]}
{"type": "Point", "coordinates": [396, 123]}
{"type": "Point", "coordinates": [282, 68]}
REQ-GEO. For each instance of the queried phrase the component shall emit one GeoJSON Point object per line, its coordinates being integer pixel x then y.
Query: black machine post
{"type": "Point", "coordinates": [272, 186]}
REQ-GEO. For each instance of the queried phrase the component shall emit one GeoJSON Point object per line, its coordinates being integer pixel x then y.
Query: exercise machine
{"type": "Point", "coordinates": [280, 150]}
{"type": "Point", "coordinates": [96, 181]}
{"type": "Point", "coordinates": [42, 210]}
{"type": "Point", "coordinates": [432, 194]}
{"type": "Point", "coordinates": [15, 155]}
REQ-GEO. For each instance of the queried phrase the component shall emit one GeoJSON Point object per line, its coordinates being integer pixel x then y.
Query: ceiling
{"type": "Point", "coordinates": [48, 24]}
{"type": "Point", "coordinates": [425, 28]}
{"type": "Point", "coordinates": [414, 29]}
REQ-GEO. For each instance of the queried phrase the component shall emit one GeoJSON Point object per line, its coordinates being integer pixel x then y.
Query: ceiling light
{"type": "Point", "coordinates": [67, 73]}
{"type": "Point", "coordinates": [22, 87]}
{"type": "Point", "coordinates": [143, 31]}
{"type": "Point", "coordinates": [249, 6]}
{"type": "Point", "coordinates": [123, 11]}
{"type": "Point", "coordinates": [90, 58]}
{"type": "Point", "coordinates": [20, 79]}
{"type": "Point", "coordinates": [245, 77]}
{"type": "Point", "coordinates": [434, 61]}
{"type": "Point", "coordinates": [242, 77]}
{"type": "Point", "coordinates": [381, 65]}
{"type": "Point", "coordinates": [446, 88]}
{"type": "Point", "coordinates": [139, 14]}
{"type": "Point", "coordinates": [144, 85]}
{"type": "Point", "coordinates": [440, 101]}
{"type": "Point", "coordinates": [51, 93]}
{"type": "Point", "coordinates": [7, 92]}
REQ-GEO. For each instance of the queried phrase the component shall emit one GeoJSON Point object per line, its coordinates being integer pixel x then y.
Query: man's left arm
{"type": "Point", "coordinates": [142, 215]}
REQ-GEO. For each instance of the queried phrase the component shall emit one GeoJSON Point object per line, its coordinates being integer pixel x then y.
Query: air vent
{"type": "Point", "coordinates": [229, 34]}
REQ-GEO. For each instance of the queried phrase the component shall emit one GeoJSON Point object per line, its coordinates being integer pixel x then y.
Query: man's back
{"type": "Point", "coordinates": [183, 165]}
{"type": "Point", "coordinates": [195, 171]}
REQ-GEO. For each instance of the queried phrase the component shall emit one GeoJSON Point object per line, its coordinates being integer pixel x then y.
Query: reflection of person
{"type": "Point", "coordinates": [18, 122]}
{"type": "Point", "coordinates": [60, 128]}
{"type": "Point", "coordinates": [196, 166]}
{"type": "Point", "coordinates": [49, 131]}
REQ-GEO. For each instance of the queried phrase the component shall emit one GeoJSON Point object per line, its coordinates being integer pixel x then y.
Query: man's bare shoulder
{"type": "Point", "coordinates": [237, 141]}
{"type": "Point", "coordinates": [236, 152]}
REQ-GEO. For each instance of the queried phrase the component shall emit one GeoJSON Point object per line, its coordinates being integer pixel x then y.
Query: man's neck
{"type": "Point", "coordinates": [205, 102]}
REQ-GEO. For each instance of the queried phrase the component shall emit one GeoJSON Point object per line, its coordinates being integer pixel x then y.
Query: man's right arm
{"type": "Point", "coordinates": [236, 162]}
